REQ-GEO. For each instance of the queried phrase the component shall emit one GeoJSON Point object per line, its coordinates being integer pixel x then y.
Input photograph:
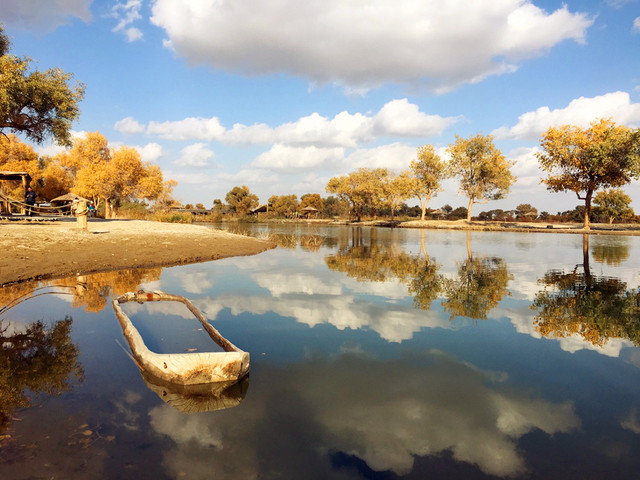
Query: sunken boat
{"type": "Point", "coordinates": [193, 368]}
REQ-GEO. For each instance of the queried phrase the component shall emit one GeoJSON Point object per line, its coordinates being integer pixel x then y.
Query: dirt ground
{"type": "Point", "coordinates": [56, 249]}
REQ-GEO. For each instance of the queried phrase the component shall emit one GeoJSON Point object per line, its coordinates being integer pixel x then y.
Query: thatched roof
{"type": "Point", "coordinates": [69, 197]}
{"type": "Point", "coordinates": [309, 209]}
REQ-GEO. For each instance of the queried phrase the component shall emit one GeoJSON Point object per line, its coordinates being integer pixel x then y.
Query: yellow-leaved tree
{"type": "Point", "coordinates": [583, 161]}
{"type": "Point", "coordinates": [484, 173]}
{"type": "Point", "coordinates": [111, 176]}
{"type": "Point", "coordinates": [16, 156]}
{"type": "Point", "coordinates": [429, 172]}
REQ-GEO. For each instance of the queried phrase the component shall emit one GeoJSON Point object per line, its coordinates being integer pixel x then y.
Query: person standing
{"type": "Point", "coordinates": [30, 200]}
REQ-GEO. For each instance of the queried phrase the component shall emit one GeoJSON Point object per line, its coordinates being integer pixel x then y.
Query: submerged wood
{"type": "Point", "coordinates": [182, 368]}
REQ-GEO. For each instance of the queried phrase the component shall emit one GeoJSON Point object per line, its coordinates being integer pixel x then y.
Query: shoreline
{"type": "Point", "coordinates": [57, 249]}
{"type": "Point", "coordinates": [41, 249]}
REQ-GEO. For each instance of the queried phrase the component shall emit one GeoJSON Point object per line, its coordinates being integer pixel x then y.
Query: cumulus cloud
{"type": "Point", "coordinates": [197, 155]}
{"type": "Point", "coordinates": [151, 152]}
{"type": "Point", "coordinates": [129, 125]}
{"type": "Point", "coordinates": [395, 156]}
{"type": "Point", "coordinates": [581, 112]}
{"type": "Point", "coordinates": [126, 14]}
{"type": "Point", "coordinates": [364, 46]}
{"type": "Point", "coordinates": [287, 159]}
{"type": "Point", "coordinates": [636, 25]}
{"type": "Point", "coordinates": [397, 118]}
{"type": "Point", "coordinates": [39, 16]}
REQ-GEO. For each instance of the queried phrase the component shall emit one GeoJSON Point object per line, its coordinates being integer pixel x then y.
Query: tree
{"type": "Point", "coordinates": [334, 207]}
{"type": "Point", "coordinates": [363, 189]}
{"type": "Point", "coordinates": [614, 203]}
{"type": "Point", "coordinates": [428, 171]}
{"type": "Point", "coordinates": [397, 189]}
{"type": "Point", "coordinates": [526, 212]}
{"type": "Point", "coordinates": [483, 171]}
{"type": "Point", "coordinates": [37, 104]}
{"type": "Point", "coordinates": [284, 205]}
{"type": "Point", "coordinates": [241, 200]}
{"type": "Point", "coordinates": [586, 160]}
{"type": "Point", "coordinates": [16, 156]}
{"type": "Point", "coordinates": [311, 200]}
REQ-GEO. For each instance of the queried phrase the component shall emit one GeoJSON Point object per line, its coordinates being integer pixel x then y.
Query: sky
{"type": "Point", "coordinates": [282, 95]}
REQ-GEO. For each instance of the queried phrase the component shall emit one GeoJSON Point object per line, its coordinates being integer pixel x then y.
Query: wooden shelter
{"type": "Point", "coordinates": [307, 211]}
{"type": "Point", "coordinates": [5, 202]}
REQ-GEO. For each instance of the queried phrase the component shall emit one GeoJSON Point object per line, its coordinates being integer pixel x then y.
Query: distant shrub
{"type": "Point", "coordinates": [171, 217]}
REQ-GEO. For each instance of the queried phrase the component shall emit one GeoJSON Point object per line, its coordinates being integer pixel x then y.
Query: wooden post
{"type": "Point", "coordinates": [81, 215]}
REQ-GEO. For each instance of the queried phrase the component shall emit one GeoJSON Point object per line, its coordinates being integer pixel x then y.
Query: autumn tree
{"type": "Point", "coordinates": [313, 200]}
{"type": "Point", "coordinates": [429, 172]}
{"type": "Point", "coordinates": [241, 200]}
{"type": "Point", "coordinates": [585, 160]}
{"type": "Point", "coordinates": [284, 205]}
{"type": "Point", "coordinates": [397, 189]}
{"type": "Point", "coordinates": [484, 173]}
{"type": "Point", "coordinates": [526, 212]}
{"type": "Point", "coordinates": [16, 156]}
{"type": "Point", "coordinates": [110, 176]}
{"type": "Point", "coordinates": [363, 189]}
{"type": "Point", "coordinates": [36, 104]}
{"type": "Point", "coordinates": [614, 203]}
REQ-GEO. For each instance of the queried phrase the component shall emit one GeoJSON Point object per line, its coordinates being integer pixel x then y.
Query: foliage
{"type": "Point", "coordinates": [312, 200]}
{"type": "Point", "coordinates": [484, 173]}
{"type": "Point", "coordinates": [38, 105]}
{"type": "Point", "coordinates": [284, 205]}
{"type": "Point", "coordinates": [428, 172]}
{"type": "Point", "coordinates": [614, 203]}
{"type": "Point", "coordinates": [240, 200]}
{"type": "Point", "coordinates": [109, 175]}
{"type": "Point", "coordinates": [334, 207]}
{"type": "Point", "coordinates": [171, 217]}
{"type": "Point", "coordinates": [458, 213]}
{"type": "Point", "coordinates": [586, 160]}
{"type": "Point", "coordinates": [526, 212]}
{"type": "Point", "coordinates": [397, 189]}
{"type": "Point", "coordinates": [363, 189]}
{"type": "Point", "coordinates": [16, 156]}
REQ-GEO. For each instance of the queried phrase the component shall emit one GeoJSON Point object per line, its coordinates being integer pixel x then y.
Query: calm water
{"type": "Point", "coordinates": [375, 354]}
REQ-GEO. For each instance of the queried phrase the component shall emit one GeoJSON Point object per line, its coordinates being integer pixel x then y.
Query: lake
{"type": "Point", "coordinates": [375, 354]}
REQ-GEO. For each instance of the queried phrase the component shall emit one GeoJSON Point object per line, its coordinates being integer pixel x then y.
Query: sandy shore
{"type": "Point", "coordinates": [43, 250]}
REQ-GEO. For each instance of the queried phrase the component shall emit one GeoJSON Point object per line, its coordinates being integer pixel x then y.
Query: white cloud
{"type": "Point", "coordinates": [151, 152]}
{"type": "Point", "coordinates": [197, 155]}
{"type": "Point", "coordinates": [363, 46]}
{"type": "Point", "coordinates": [395, 156]}
{"type": "Point", "coordinates": [126, 14]}
{"type": "Point", "coordinates": [397, 118]}
{"type": "Point", "coordinates": [636, 25]}
{"type": "Point", "coordinates": [286, 159]}
{"type": "Point", "coordinates": [129, 125]}
{"type": "Point", "coordinates": [38, 16]}
{"type": "Point", "coordinates": [581, 112]}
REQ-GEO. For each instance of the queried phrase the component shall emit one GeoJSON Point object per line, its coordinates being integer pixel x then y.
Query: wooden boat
{"type": "Point", "coordinates": [182, 368]}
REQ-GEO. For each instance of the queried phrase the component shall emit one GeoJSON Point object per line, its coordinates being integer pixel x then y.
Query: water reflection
{"type": "Point", "coordinates": [38, 358]}
{"type": "Point", "coordinates": [480, 285]}
{"type": "Point", "coordinates": [597, 308]}
{"type": "Point", "coordinates": [205, 397]}
{"type": "Point", "coordinates": [385, 414]}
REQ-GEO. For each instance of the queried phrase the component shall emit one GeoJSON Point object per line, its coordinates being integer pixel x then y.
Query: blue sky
{"type": "Point", "coordinates": [283, 95]}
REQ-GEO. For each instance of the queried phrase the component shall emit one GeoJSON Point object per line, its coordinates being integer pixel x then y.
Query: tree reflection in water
{"type": "Point", "coordinates": [480, 285]}
{"type": "Point", "coordinates": [40, 359]}
{"type": "Point", "coordinates": [595, 307]}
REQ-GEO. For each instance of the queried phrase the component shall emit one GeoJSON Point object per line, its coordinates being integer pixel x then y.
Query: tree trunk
{"type": "Point", "coordinates": [469, 209]}
{"type": "Point", "coordinates": [587, 210]}
{"type": "Point", "coordinates": [107, 209]}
